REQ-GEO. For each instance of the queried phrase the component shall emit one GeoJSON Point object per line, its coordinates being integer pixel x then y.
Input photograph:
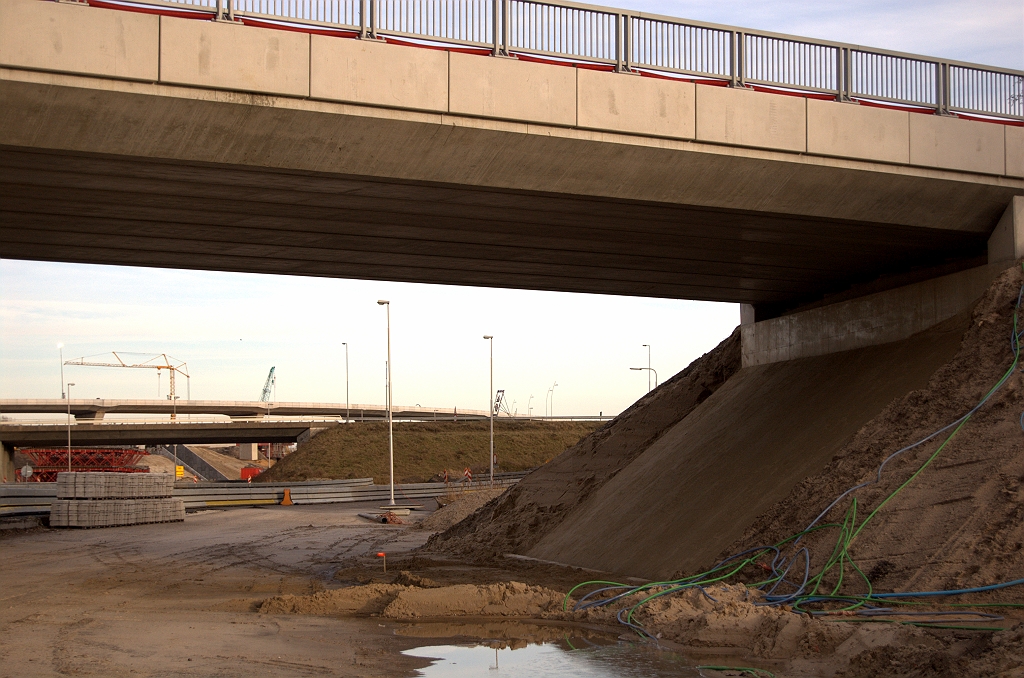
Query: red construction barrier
{"type": "Point", "coordinates": [48, 462]}
{"type": "Point", "coordinates": [250, 472]}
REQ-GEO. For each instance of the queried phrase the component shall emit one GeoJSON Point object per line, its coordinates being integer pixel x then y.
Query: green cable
{"type": "Point", "coordinates": [848, 532]}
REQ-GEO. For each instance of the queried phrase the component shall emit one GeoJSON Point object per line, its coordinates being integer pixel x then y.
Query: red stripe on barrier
{"type": "Point", "coordinates": [895, 107]}
{"type": "Point", "coordinates": [606, 68]}
{"type": "Point", "coordinates": [662, 76]}
{"type": "Point", "coordinates": [981, 118]}
{"type": "Point", "coordinates": [479, 51]}
{"type": "Point", "coordinates": [331, 32]}
{"type": "Point", "coordinates": [181, 14]}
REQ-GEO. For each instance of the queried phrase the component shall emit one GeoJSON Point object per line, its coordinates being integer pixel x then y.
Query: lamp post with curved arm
{"type": "Point", "coordinates": [648, 370]}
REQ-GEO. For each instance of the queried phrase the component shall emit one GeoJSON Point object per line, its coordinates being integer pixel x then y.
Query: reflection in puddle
{"type": "Point", "coordinates": [514, 649]}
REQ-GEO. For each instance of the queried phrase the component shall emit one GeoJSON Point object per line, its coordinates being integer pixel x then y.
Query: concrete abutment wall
{"type": "Point", "coordinates": [6, 463]}
{"type": "Point", "coordinates": [883, 317]}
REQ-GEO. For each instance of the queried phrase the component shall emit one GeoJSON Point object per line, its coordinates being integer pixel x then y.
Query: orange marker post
{"type": "Point", "coordinates": [383, 555]}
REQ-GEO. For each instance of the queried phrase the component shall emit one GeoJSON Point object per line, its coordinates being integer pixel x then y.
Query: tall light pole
{"type": "Point", "coordinates": [69, 426]}
{"type": "Point", "coordinates": [490, 398]}
{"type": "Point", "coordinates": [529, 410]}
{"type": "Point", "coordinates": [648, 346]}
{"type": "Point", "coordinates": [346, 380]}
{"type": "Point", "coordinates": [60, 347]}
{"type": "Point", "coordinates": [552, 392]}
{"type": "Point", "coordinates": [391, 433]}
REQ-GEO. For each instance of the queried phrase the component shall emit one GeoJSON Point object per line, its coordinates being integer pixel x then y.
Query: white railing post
{"type": "Point", "coordinates": [618, 44]}
{"type": "Point", "coordinates": [942, 88]}
{"type": "Point", "coordinates": [363, 27]}
{"type": "Point", "coordinates": [506, 27]}
{"type": "Point", "coordinates": [496, 9]}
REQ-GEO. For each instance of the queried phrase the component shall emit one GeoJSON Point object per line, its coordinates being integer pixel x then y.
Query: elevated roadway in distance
{"type": "Point", "coordinates": [85, 409]}
{"type": "Point", "coordinates": [154, 433]}
{"type": "Point", "coordinates": [175, 141]}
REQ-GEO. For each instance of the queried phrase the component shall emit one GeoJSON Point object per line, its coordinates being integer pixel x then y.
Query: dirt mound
{"type": "Point", "coordinates": [396, 601]}
{"type": "Point", "coordinates": [425, 449]}
{"type": "Point", "coordinates": [449, 515]}
{"type": "Point", "coordinates": [959, 523]}
{"type": "Point", "coordinates": [542, 500]}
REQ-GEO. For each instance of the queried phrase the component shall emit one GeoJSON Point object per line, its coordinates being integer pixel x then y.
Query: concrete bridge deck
{"type": "Point", "coordinates": [158, 433]}
{"type": "Point", "coordinates": [138, 139]}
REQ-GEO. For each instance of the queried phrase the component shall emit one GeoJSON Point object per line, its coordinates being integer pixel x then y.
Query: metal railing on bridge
{"type": "Point", "coordinates": [625, 41]}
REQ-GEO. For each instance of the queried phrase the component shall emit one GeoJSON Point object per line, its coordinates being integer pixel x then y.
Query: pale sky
{"type": "Point", "coordinates": [231, 328]}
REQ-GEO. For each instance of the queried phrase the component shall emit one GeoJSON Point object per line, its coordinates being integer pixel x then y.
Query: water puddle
{"type": "Point", "coordinates": [514, 650]}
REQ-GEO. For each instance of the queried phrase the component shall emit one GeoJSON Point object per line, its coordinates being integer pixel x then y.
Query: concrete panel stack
{"type": "Point", "coordinates": [111, 499]}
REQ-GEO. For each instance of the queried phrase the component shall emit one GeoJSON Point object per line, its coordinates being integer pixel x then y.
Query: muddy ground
{"type": "Point", "coordinates": [292, 591]}
{"type": "Point", "coordinates": [184, 599]}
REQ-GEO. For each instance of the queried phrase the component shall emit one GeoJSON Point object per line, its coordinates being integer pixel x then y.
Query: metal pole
{"type": "Point", "coordinates": [69, 426]}
{"type": "Point", "coordinates": [391, 433]}
{"type": "Point", "coordinates": [346, 381]}
{"type": "Point", "coordinates": [553, 398]}
{"type": "Point", "coordinates": [490, 339]}
{"type": "Point", "coordinates": [648, 367]}
{"type": "Point", "coordinates": [60, 347]}
{"type": "Point", "coordinates": [496, 20]}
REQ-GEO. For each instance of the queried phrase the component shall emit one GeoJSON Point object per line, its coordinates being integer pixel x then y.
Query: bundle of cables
{"type": "Point", "coordinates": [789, 580]}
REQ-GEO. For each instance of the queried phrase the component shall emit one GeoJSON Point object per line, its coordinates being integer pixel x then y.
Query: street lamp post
{"type": "Point", "coordinates": [68, 399]}
{"type": "Point", "coordinates": [60, 347]}
{"type": "Point", "coordinates": [552, 392]}
{"type": "Point", "coordinates": [346, 381]}
{"type": "Point", "coordinates": [648, 347]}
{"type": "Point", "coordinates": [648, 370]}
{"type": "Point", "coordinates": [490, 398]}
{"type": "Point", "coordinates": [391, 434]}
{"type": "Point", "coordinates": [529, 410]}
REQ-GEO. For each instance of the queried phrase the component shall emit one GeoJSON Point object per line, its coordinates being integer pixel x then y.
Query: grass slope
{"type": "Point", "coordinates": [423, 450]}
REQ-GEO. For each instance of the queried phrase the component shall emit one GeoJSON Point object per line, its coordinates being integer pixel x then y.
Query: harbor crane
{"type": "Point", "coordinates": [270, 384]}
{"type": "Point", "coordinates": [158, 362]}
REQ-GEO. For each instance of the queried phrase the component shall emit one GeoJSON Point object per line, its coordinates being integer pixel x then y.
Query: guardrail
{"type": "Point", "coordinates": [35, 498]}
{"type": "Point", "coordinates": [625, 41]}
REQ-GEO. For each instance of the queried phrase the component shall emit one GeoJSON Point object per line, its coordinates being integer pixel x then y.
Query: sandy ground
{"type": "Point", "coordinates": [180, 599]}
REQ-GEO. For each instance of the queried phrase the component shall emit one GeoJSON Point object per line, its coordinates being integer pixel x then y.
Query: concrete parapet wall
{"type": "Point", "coordinates": [73, 38]}
{"type": "Point", "coordinates": [867, 321]}
{"type": "Point", "coordinates": [635, 105]}
{"type": "Point", "coordinates": [950, 143]}
{"type": "Point", "coordinates": [863, 132]}
{"type": "Point", "coordinates": [224, 55]}
{"type": "Point", "coordinates": [119, 45]}
{"type": "Point", "coordinates": [371, 72]}
{"type": "Point", "coordinates": [511, 90]}
{"type": "Point", "coordinates": [743, 117]}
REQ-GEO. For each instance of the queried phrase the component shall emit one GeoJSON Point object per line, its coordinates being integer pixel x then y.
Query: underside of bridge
{"type": "Point", "coordinates": [144, 212]}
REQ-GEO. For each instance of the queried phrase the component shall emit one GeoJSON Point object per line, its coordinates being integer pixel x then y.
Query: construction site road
{"type": "Point", "coordinates": [179, 598]}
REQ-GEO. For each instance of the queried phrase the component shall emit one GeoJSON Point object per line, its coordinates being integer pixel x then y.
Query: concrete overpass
{"type": "Point", "coordinates": [844, 195]}
{"type": "Point", "coordinates": [84, 409]}
{"type": "Point", "coordinates": [161, 138]}
{"type": "Point", "coordinates": [154, 433]}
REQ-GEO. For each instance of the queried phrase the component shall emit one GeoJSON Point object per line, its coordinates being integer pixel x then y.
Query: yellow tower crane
{"type": "Point", "coordinates": [158, 362]}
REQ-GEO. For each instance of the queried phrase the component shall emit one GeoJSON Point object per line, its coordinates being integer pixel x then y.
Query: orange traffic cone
{"type": "Point", "coordinates": [287, 501]}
